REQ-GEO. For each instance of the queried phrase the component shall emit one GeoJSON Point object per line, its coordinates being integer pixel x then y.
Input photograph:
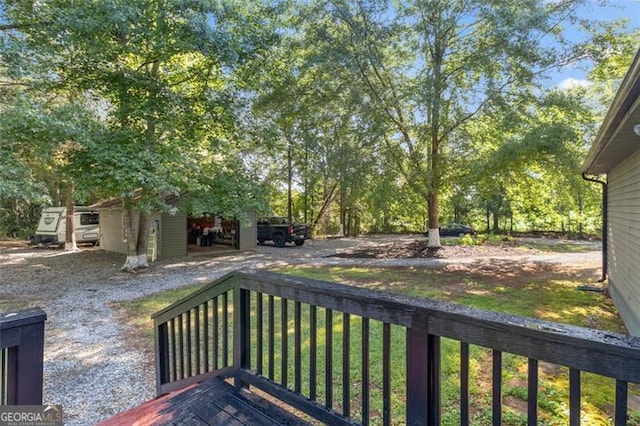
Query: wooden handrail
{"type": "Point", "coordinates": [22, 352]}
{"type": "Point", "coordinates": [425, 321]}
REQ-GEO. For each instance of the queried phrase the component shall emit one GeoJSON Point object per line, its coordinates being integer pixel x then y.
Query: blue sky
{"type": "Point", "coordinates": [614, 10]}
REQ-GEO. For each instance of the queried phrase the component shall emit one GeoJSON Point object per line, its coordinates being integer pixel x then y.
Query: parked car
{"type": "Point", "coordinates": [455, 230]}
{"type": "Point", "coordinates": [278, 230]}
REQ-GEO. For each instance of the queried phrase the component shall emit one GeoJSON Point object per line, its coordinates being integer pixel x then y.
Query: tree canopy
{"type": "Point", "coordinates": [355, 116]}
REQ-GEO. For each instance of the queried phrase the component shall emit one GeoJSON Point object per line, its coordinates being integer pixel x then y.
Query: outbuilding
{"type": "Point", "coordinates": [616, 154]}
{"type": "Point", "coordinates": [172, 233]}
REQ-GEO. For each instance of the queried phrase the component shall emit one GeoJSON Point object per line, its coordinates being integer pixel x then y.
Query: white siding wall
{"type": "Point", "coordinates": [624, 240]}
{"type": "Point", "coordinates": [111, 233]}
{"type": "Point", "coordinates": [249, 232]}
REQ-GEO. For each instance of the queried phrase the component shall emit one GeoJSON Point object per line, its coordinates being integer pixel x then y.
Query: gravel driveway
{"type": "Point", "coordinates": [89, 368]}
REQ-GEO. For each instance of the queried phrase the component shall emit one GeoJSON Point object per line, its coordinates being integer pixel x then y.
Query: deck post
{"type": "Point", "coordinates": [22, 334]}
{"type": "Point", "coordinates": [417, 377]}
{"type": "Point", "coordinates": [435, 374]}
{"type": "Point", "coordinates": [161, 347]}
{"type": "Point", "coordinates": [241, 333]}
{"type": "Point", "coordinates": [423, 378]}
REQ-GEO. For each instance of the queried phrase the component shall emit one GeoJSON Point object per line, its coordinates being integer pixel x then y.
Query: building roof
{"type": "Point", "coordinates": [616, 139]}
{"type": "Point", "coordinates": [116, 202]}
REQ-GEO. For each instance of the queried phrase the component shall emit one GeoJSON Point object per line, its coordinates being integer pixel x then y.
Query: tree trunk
{"type": "Point", "coordinates": [131, 238]}
{"type": "Point", "coordinates": [487, 217]}
{"type": "Point", "coordinates": [328, 199]}
{"type": "Point", "coordinates": [70, 237]}
{"type": "Point", "coordinates": [343, 200]}
{"type": "Point", "coordinates": [306, 186]}
{"type": "Point", "coordinates": [434, 229]}
{"type": "Point", "coordinates": [143, 240]}
{"type": "Point", "coordinates": [437, 55]}
{"type": "Point", "coordinates": [289, 183]}
{"type": "Point", "coordinates": [137, 240]}
{"type": "Point", "coordinates": [580, 212]}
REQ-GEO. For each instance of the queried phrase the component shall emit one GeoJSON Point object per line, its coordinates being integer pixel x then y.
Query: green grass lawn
{"type": "Point", "coordinates": [541, 244]}
{"type": "Point", "coordinates": [537, 291]}
{"type": "Point", "coordinates": [547, 294]}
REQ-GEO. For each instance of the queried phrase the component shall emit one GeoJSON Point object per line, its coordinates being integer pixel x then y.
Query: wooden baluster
{"type": "Point", "coordinates": [365, 371]}
{"type": "Point", "coordinates": [174, 361]}
{"type": "Point", "coordinates": [196, 332]}
{"type": "Point", "coordinates": [189, 351]}
{"type": "Point", "coordinates": [313, 348]}
{"type": "Point", "coordinates": [574, 397]}
{"type": "Point", "coordinates": [225, 329]}
{"type": "Point", "coordinates": [346, 351]}
{"type": "Point", "coordinates": [182, 350]}
{"type": "Point", "coordinates": [386, 374]}
{"type": "Point", "coordinates": [497, 388]}
{"type": "Point", "coordinates": [284, 346]}
{"type": "Point", "coordinates": [205, 334]}
{"type": "Point", "coordinates": [329, 359]}
{"type": "Point", "coordinates": [532, 394]}
{"type": "Point", "coordinates": [215, 339]}
{"type": "Point", "coordinates": [272, 323]}
{"type": "Point", "coordinates": [297, 374]}
{"type": "Point", "coordinates": [621, 403]}
{"type": "Point", "coordinates": [464, 383]}
{"type": "Point", "coordinates": [259, 332]}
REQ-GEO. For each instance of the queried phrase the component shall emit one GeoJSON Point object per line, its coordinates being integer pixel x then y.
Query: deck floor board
{"type": "Point", "coordinates": [212, 402]}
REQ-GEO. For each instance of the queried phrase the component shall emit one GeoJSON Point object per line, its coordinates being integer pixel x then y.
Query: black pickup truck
{"type": "Point", "coordinates": [278, 230]}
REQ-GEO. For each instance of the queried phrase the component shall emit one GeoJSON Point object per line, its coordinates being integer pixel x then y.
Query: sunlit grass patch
{"type": "Point", "coordinates": [138, 311]}
{"type": "Point", "coordinates": [548, 295]}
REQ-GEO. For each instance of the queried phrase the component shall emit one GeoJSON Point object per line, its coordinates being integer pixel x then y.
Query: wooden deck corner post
{"type": "Point", "coordinates": [161, 346]}
{"type": "Point", "coordinates": [423, 378]}
{"type": "Point", "coordinates": [25, 361]}
{"type": "Point", "coordinates": [241, 333]}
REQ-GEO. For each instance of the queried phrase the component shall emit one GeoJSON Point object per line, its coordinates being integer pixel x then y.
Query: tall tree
{"type": "Point", "coordinates": [166, 73]}
{"type": "Point", "coordinates": [43, 116]}
{"type": "Point", "coordinates": [430, 67]}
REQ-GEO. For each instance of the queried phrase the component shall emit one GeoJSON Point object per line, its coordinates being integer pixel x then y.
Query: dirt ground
{"type": "Point", "coordinates": [412, 249]}
{"type": "Point", "coordinates": [90, 351]}
{"type": "Point", "coordinates": [53, 265]}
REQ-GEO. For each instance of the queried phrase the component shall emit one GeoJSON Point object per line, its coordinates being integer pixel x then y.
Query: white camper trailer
{"type": "Point", "coordinates": [52, 228]}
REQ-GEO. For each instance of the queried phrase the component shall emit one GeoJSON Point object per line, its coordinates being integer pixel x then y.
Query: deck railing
{"type": "Point", "coordinates": [21, 357]}
{"type": "Point", "coordinates": [348, 355]}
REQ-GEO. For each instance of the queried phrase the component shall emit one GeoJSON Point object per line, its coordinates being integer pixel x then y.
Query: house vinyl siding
{"type": "Point", "coordinates": [248, 232]}
{"type": "Point", "coordinates": [623, 236]}
{"type": "Point", "coordinates": [173, 236]}
{"type": "Point", "coordinates": [169, 240]}
{"type": "Point", "coordinates": [111, 231]}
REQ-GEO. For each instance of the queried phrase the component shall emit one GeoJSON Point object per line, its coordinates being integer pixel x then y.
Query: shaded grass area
{"type": "Point", "coordinates": [7, 306]}
{"type": "Point", "coordinates": [138, 312]}
{"type": "Point", "coordinates": [540, 244]}
{"type": "Point", "coordinates": [535, 290]}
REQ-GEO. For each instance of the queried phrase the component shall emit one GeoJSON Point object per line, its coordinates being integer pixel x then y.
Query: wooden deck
{"type": "Point", "coordinates": [212, 402]}
{"type": "Point", "coordinates": [319, 371]}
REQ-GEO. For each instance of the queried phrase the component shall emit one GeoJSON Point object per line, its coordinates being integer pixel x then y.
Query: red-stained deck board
{"type": "Point", "coordinates": [213, 402]}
